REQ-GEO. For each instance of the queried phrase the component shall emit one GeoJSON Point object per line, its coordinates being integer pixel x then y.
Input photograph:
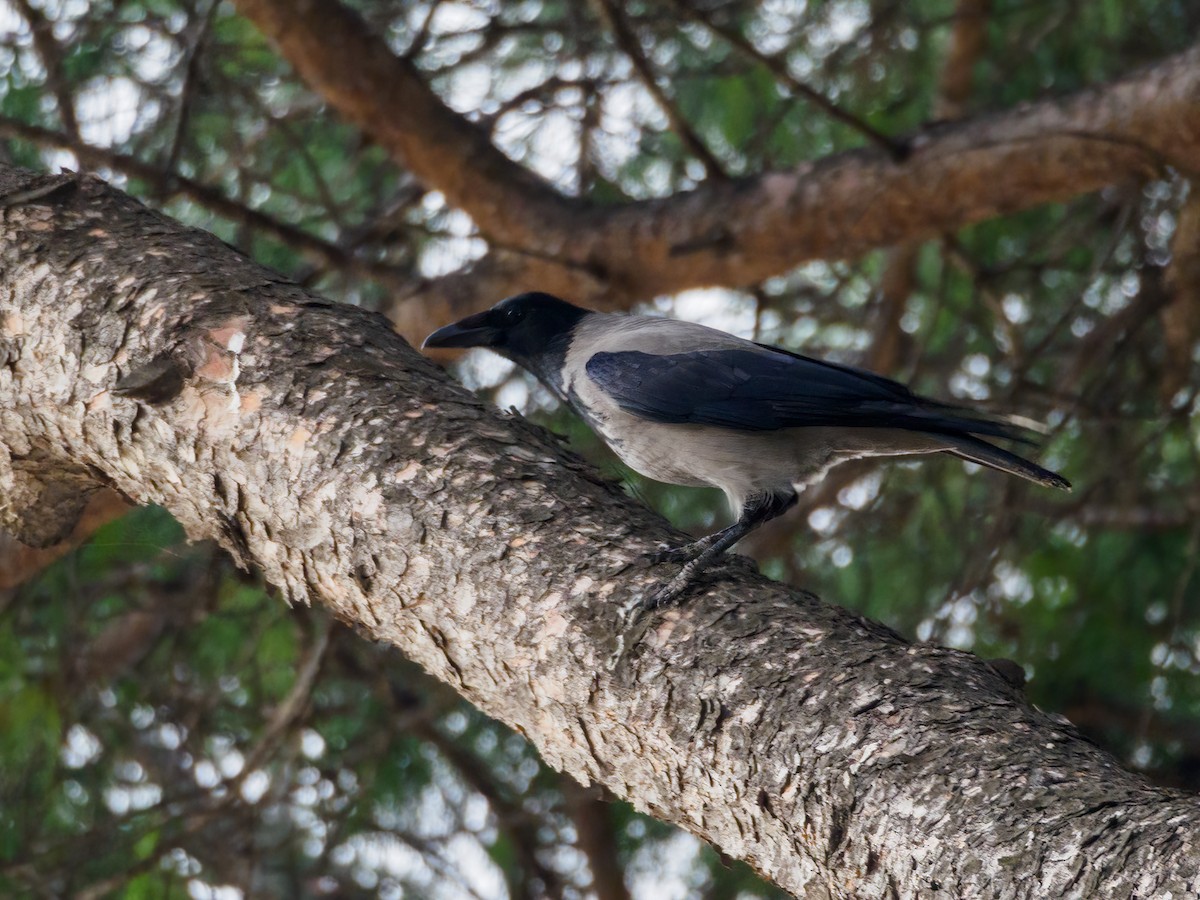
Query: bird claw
{"type": "Point", "coordinates": [634, 619]}
{"type": "Point", "coordinates": [682, 555]}
{"type": "Point", "coordinates": [666, 594]}
{"type": "Point", "coordinates": [663, 595]}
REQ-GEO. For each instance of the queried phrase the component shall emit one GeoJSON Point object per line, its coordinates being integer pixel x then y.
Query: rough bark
{"type": "Point", "coordinates": [312, 442]}
{"type": "Point", "coordinates": [735, 233]}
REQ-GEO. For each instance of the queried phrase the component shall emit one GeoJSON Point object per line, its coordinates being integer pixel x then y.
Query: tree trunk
{"type": "Point", "coordinates": [312, 442]}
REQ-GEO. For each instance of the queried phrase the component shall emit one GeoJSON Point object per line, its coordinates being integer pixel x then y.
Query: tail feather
{"type": "Point", "coordinates": [985, 454]}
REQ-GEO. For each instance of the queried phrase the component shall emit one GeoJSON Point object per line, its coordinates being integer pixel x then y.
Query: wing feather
{"type": "Point", "coordinates": [759, 388]}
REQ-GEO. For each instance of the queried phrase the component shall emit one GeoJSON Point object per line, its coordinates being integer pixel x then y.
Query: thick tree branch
{"type": "Point", "coordinates": [312, 442]}
{"type": "Point", "coordinates": [419, 305]}
{"type": "Point", "coordinates": [441, 148]}
{"type": "Point", "coordinates": [740, 232]}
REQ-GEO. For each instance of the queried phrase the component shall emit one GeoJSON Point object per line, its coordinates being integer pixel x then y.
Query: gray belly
{"type": "Point", "coordinates": [745, 463]}
{"type": "Point", "coordinates": [741, 464]}
{"type": "Point", "coordinates": [651, 450]}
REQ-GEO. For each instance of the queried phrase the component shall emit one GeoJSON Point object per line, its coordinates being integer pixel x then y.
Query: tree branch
{"type": "Point", "coordinates": [51, 53]}
{"type": "Point", "coordinates": [312, 442]}
{"type": "Point", "coordinates": [734, 233]}
{"type": "Point", "coordinates": [440, 147]}
{"type": "Point", "coordinates": [626, 37]}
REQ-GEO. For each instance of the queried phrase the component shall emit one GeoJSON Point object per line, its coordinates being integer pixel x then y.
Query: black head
{"type": "Point", "coordinates": [524, 328]}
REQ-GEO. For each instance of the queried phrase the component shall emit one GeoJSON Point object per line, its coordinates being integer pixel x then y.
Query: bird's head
{"type": "Point", "coordinates": [522, 328]}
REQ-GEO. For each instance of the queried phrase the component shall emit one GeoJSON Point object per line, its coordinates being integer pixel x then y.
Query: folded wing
{"type": "Point", "coordinates": [759, 388]}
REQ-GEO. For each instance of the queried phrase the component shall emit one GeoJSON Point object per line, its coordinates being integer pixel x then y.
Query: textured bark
{"type": "Point", "coordinates": [734, 233]}
{"type": "Point", "coordinates": [312, 442]}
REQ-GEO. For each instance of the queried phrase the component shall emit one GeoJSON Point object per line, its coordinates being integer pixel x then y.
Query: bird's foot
{"type": "Point", "coordinates": [695, 557]}
{"type": "Point", "coordinates": [669, 593]}
{"type": "Point", "coordinates": [633, 618]}
{"type": "Point", "coordinates": [659, 597]}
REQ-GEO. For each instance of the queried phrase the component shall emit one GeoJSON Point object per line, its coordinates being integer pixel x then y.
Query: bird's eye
{"type": "Point", "coordinates": [513, 314]}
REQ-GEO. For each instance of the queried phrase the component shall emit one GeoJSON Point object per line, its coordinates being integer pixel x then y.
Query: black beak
{"type": "Point", "coordinates": [473, 331]}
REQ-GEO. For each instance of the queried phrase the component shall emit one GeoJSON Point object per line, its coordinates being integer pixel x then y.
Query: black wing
{"type": "Point", "coordinates": [767, 389]}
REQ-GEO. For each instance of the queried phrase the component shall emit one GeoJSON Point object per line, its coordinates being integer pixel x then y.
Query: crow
{"type": "Point", "coordinates": [687, 404]}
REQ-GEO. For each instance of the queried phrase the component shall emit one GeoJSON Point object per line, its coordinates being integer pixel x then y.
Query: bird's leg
{"type": "Point", "coordinates": [701, 554]}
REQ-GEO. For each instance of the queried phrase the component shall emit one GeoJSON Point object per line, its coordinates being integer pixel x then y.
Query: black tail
{"type": "Point", "coordinates": [985, 454]}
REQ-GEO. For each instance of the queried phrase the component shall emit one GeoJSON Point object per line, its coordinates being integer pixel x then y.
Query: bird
{"type": "Point", "coordinates": [686, 404]}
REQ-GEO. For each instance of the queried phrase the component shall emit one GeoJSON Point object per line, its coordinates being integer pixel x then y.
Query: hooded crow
{"type": "Point", "coordinates": [686, 404]}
